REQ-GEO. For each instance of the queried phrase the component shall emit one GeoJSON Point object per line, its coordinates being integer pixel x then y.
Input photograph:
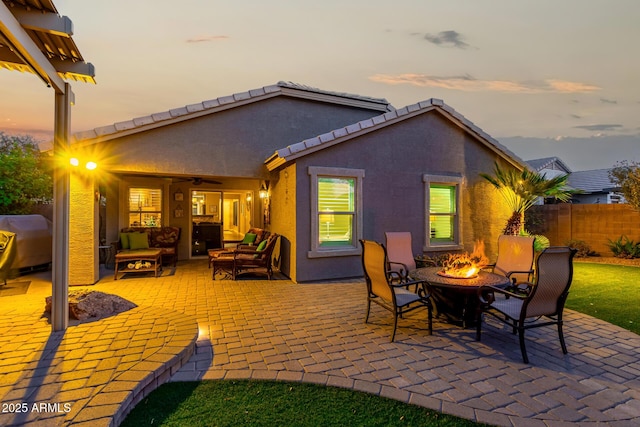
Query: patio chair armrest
{"type": "Point", "coordinates": [421, 290]}
{"type": "Point", "coordinates": [403, 267]}
{"type": "Point", "coordinates": [486, 294]}
{"type": "Point", "coordinates": [521, 288]}
{"type": "Point", "coordinates": [394, 275]}
{"type": "Point", "coordinates": [509, 273]}
{"type": "Point", "coordinates": [245, 251]}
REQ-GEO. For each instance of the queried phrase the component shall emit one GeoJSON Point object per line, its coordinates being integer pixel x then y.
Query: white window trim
{"type": "Point", "coordinates": [452, 180]}
{"type": "Point", "coordinates": [319, 171]}
{"type": "Point", "coordinates": [162, 210]}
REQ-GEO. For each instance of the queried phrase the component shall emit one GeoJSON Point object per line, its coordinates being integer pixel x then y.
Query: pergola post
{"type": "Point", "coordinates": [61, 177]}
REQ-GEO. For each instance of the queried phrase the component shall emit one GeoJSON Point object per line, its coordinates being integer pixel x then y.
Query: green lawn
{"type": "Point", "coordinates": [608, 292]}
{"type": "Point", "coordinates": [271, 403]}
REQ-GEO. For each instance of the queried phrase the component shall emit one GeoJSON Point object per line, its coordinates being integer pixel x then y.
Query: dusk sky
{"type": "Point", "coordinates": [545, 78]}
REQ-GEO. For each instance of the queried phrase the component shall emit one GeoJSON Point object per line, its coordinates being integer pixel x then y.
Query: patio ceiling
{"type": "Point", "coordinates": [49, 33]}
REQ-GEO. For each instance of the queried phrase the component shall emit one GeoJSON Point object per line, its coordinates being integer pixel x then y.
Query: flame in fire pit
{"type": "Point", "coordinates": [465, 266]}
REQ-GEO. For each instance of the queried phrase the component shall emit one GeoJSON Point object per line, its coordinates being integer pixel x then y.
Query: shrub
{"type": "Point", "coordinates": [583, 248]}
{"type": "Point", "coordinates": [540, 244]}
{"type": "Point", "coordinates": [624, 248]}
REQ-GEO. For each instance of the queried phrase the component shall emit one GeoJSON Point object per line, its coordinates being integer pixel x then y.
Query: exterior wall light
{"type": "Point", "coordinates": [264, 190]}
{"type": "Point", "coordinates": [74, 161]}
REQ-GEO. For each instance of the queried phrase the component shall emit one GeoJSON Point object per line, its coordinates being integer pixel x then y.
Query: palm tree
{"type": "Point", "coordinates": [521, 190]}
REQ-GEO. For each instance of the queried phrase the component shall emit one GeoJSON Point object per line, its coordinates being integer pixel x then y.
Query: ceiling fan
{"type": "Point", "coordinates": [196, 180]}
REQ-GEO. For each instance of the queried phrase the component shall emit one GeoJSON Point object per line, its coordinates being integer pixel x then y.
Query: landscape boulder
{"type": "Point", "coordinates": [86, 304]}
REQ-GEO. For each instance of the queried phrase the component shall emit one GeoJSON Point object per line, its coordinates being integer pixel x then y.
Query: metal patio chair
{"type": "Point", "coordinates": [394, 297]}
{"type": "Point", "coordinates": [544, 298]}
{"type": "Point", "coordinates": [515, 258]}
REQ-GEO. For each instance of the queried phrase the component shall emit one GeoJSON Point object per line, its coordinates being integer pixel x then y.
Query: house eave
{"type": "Point", "coordinates": [320, 142]}
{"type": "Point", "coordinates": [194, 111]}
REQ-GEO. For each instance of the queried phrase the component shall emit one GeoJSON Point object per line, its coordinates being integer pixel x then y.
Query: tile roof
{"type": "Point", "coordinates": [336, 136]}
{"type": "Point", "coordinates": [540, 164]}
{"type": "Point", "coordinates": [591, 181]}
{"type": "Point", "coordinates": [175, 115]}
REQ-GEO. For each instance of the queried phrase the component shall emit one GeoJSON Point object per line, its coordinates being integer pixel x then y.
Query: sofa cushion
{"type": "Point", "coordinates": [138, 241]}
{"type": "Point", "coordinates": [165, 237]}
{"type": "Point", "coordinates": [124, 240]}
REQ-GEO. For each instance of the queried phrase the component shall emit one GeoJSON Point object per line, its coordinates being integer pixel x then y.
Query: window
{"type": "Point", "coordinates": [336, 211]}
{"type": "Point", "coordinates": [145, 207]}
{"type": "Point", "coordinates": [442, 212]}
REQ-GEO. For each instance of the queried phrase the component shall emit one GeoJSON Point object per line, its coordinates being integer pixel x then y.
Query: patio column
{"type": "Point", "coordinates": [83, 228]}
{"type": "Point", "coordinates": [60, 265]}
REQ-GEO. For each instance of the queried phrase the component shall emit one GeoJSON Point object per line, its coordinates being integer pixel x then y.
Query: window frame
{"type": "Point", "coordinates": [455, 181]}
{"type": "Point", "coordinates": [316, 251]}
{"type": "Point", "coordinates": [160, 212]}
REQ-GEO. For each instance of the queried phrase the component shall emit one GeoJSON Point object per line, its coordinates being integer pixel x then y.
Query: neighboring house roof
{"type": "Point", "coordinates": [192, 111]}
{"type": "Point", "coordinates": [592, 181]}
{"type": "Point", "coordinates": [548, 163]}
{"type": "Point", "coordinates": [337, 136]}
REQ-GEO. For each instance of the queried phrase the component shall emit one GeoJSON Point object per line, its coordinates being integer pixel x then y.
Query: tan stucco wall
{"type": "Point", "coordinates": [283, 218]}
{"type": "Point", "coordinates": [83, 231]}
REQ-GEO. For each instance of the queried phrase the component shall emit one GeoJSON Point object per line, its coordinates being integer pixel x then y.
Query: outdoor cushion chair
{"type": "Point", "coordinates": [8, 252]}
{"type": "Point", "coordinates": [395, 297]}
{"type": "Point", "coordinates": [253, 237]}
{"type": "Point", "coordinates": [255, 259]}
{"type": "Point", "coordinates": [515, 258]}
{"type": "Point", "coordinates": [400, 253]}
{"type": "Point", "coordinates": [544, 298]}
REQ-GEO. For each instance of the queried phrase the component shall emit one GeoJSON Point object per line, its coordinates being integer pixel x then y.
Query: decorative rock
{"type": "Point", "coordinates": [86, 304]}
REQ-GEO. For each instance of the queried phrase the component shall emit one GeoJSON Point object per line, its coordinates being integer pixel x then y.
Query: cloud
{"type": "Point", "coordinates": [608, 101]}
{"type": "Point", "coordinates": [468, 83]}
{"type": "Point", "coordinates": [448, 38]}
{"type": "Point", "coordinates": [601, 127]}
{"type": "Point", "coordinates": [205, 38]}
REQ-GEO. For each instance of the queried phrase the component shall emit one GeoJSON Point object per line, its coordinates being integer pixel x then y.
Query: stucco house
{"type": "Point", "coordinates": [320, 168]}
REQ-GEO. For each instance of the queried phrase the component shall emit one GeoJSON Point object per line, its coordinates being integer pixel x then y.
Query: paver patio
{"type": "Point", "coordinates": [313, 332]}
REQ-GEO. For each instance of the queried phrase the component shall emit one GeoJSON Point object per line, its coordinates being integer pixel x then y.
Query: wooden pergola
{"type": "Point", "coordinates": [35, 38]}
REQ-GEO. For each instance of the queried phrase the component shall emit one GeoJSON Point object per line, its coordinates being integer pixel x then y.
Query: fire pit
{"type": "Point", "coordinates": [454, 286]}
{"type": "Point", "coordinates": [465, 266]}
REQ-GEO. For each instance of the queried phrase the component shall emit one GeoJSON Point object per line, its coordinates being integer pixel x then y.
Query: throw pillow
{"type": "Point", "coordinates": [124, 240]}
{"type": "Point", "coordinates": [138, 241]}
{"type": "Point", "coordinates": [249, 238]}
{"type": "Point", "coordinates": [261, 246]}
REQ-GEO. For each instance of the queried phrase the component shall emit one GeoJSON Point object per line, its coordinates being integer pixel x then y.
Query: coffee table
{"type": "Point", "coordinates": [152, 256]}
{"type": "Point", "coordinates": [457, 299]}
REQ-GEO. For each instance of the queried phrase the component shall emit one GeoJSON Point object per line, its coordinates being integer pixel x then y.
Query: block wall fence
{"type": "Point", "coordinates": [594, 224]}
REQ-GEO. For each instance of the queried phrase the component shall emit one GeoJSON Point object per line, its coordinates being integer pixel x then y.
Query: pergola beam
{"type": "Point", "coordinates": [45, 22]}
{"type": "Point", "coordinates": [22, 45]}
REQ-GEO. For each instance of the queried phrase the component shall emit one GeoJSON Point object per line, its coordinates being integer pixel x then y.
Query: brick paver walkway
{"type": "Point", "coordinates": [315, 333]}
